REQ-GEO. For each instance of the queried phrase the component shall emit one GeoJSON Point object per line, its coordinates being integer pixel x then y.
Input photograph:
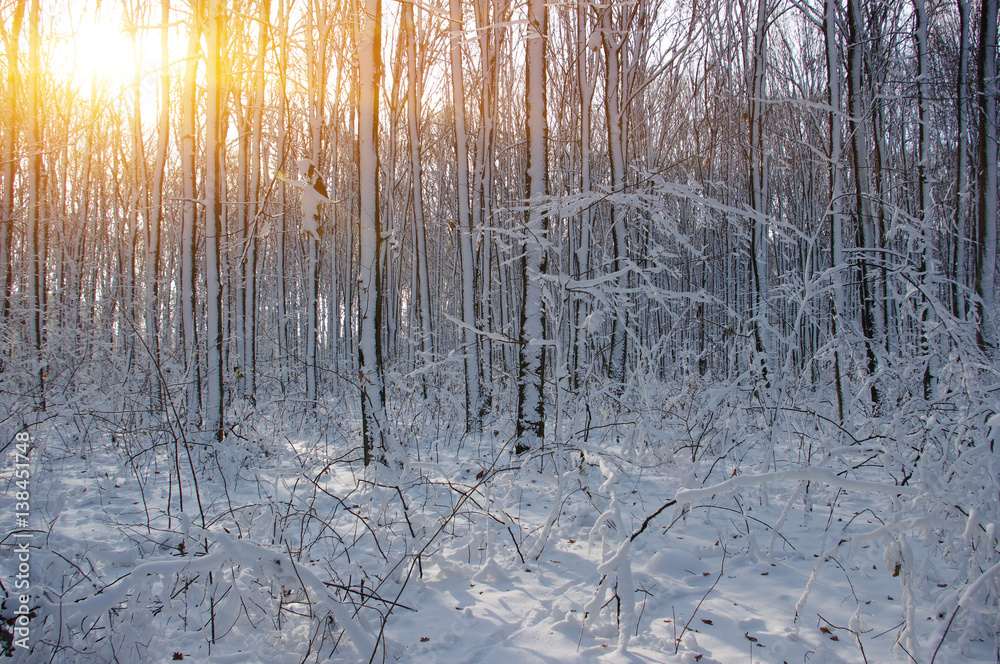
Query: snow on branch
{"type": "Point", "coordinates": [820, 475]}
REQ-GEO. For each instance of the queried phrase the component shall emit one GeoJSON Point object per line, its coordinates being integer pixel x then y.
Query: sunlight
{"type": "Point", "coordinates": [99, 49]}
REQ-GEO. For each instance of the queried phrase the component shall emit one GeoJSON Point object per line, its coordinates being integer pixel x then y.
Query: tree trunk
{"type": "Point", "coordinates": [189, 223]}
{"type": "Point", "coordinates": [214, 190]}
{"type": "Point", "coordinates": [421, 286]}
{"type": "Point", "coordinates": [154, 213]}
{"type": "Point", "coordinates": [490, 18]}
{"type": "Point", "coordinates": [35, 248]}
{"type": "Point", "coordinates": [316, 56]}
{"type": "Point", "coordinates": [530, 429]}
{"type": "Point", "coordinates": [250, 263]}
{"type": "Point", "coordinates": [986, 83]}
{"type": "Point", "coordinates": [581, 257]}
{"type": "Point", "coordinates": [837, 263]}
{"type": "Point", "coordinates": [473, 396]}
{"type": "Point", "coordinates": [926, 201]}
{"type": "Point", "coordinates": [759, 194]}
{"type": "Point", "coordinates": [865, 225]}
{"type": "Point", "coordinates": [374, 425]}
{"type": "Point", "coordinates": [958, 255]}
{"type": "Point", "coordinates": [281, 312]}
{"type": "Point", "coordinates": [10, 163]}
{"type": "Point", "coordinates": [614, 100]}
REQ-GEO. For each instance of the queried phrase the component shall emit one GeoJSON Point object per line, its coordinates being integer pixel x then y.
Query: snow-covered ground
{"type": "Point", "coordinates": [807, 552]}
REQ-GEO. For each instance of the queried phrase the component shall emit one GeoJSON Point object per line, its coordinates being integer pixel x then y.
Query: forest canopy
{"type": "Point", "coordinates": [568, 193]}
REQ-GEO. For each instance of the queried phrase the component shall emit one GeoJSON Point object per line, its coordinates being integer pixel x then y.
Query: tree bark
{"type": "Point", "coordinates": [189, 222]}
{"type": "Point", "coordinates": [986, 88]}
{"type": "Point", "coordinates": [214, 190]}
{"type": "Point", "coordinates": [154, 213]}
{"type": "Point", "coordinates": [614, 102]}
{"type": "Point", "coordinates": [759, 194]}
{"type": "Point", "coordinates": [837, 263]}
{"type": "Point", "coordinates": [586, 86]}
{"type": "Point", "coordinates": [10, 164]}
{"type": "Point", "coordinates": [36, 253]}
{"type": "Point", "coordinates": [375, 432]}
{"type": "Point", "coordinates": [958, 254]}
{"type": "Point", "coordinates": [421, 287]}
{"type": "Point", "coordinates": [926, 200]}
{"type": "Point", "coordinates": [530, 428]}
{"type": "Point", "coordinates": [862, 191]}
{"type": "Point", "coordinates": [473, 395]}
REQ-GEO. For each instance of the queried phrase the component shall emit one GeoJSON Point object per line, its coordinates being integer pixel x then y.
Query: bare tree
{"type": "Point", "coordinates": [986, 83]}
{"type": "Point", "coordinates": [530, 430]}
{"type": "Point", "coordinates": [862, 190]}
{"type": "Point", "coordinates": [214, 191]}
{"type": "Point", "coordinates": [10, 163]}
{"type": "Point", "coordinates": [35, 249]}
{"type": "Point", "coordinates": [615, 102]}
{"type": "Point", "coordinates": [473, 394]}
{"type": "Point", "coordinates": [189, 196]}
{"type": "Point", "coordinates": [370, 372]}
{"type": "Point", "coordinates": [421, 287]}
{"type": "Point", "coordinates": [962, 192]}
{"type": "Point", "coordinates": [837, 264]}
{"type": "Point", "coordinates": [759, 185]}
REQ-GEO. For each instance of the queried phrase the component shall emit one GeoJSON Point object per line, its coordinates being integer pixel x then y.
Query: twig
{"type": "Point", "coordinates": [514, 539]}
{"type": "Point", "coordinates": [295, 569]}
{"type": "Point", "coordinates": [419, 554]}
{"type": "Point", "coordinates": [722, 568]}
{"type": "Point", "coordinates": [947, 627]}
{"type": "Point", "coordinates": [650, 518]}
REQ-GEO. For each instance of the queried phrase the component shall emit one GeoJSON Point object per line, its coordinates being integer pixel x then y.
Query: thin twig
{"type": "Point", "coordinates": [650, 518]}
{"type": "Point", "coordinates": [947, 627]}
{"type": "Point", "coordinates": [722, 568]}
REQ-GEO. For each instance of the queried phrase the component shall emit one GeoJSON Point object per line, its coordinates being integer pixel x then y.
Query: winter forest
{"type": "Point", "coordinates": [499, 331]}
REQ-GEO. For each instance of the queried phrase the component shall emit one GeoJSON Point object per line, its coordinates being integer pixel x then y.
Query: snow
{"type": "Point", "coordinates": [520, 559]}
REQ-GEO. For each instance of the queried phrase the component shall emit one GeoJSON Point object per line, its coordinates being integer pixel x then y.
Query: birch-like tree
{"type": "Point", "coordinates": [530, 430]}
{"type": "Point", "coordinates": [471, 362]}
{"type": "Point", "coordinates": [375, 433]}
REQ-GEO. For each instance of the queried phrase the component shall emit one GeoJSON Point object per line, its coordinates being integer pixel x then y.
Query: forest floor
{"type": "Point", "coordinates": [512, 555]}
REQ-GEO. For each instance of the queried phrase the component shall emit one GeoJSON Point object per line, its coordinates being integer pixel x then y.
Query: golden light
{"type": "Point", "coordinates": [100, 49]}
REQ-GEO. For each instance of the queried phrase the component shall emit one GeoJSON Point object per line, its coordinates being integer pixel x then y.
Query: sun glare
{"type": "Point", "coordinates": [102, 51]}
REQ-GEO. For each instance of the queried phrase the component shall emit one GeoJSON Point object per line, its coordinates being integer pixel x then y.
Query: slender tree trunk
{"type": "Point", "coordinates": [837, 263]}
{"type": "Point", "coordinates": [36, 254]}
{"type": "Point", "coordinates": [281, 312]}
{"type": "Point", "coordinates": [759, 194]}
{"type": "Point", "coordinates": [214, 191]}
{"type": "Point", "coordinates": [986, 84]}
{"type": "Point", "coordinates": [316, 54]}
{"type": "Point", "coordinates": [312, 293]}
{"type": "Point", "coordinates": [490, 17]}
{"type": "Point", "coordinates": [251, 263]}
{"type": "Point", "coordinates": [240, 235]}
{"type": "Point", "coordinates": [581, 257]}
{"type": "Point", "coordinates": [473, 396]}
{"type": "Point", "coordinates": [80, 236]}
{"type": "Point", "coordinates": [962, 193]}
{"type": "Point", "coordinates": [10, 163]}
{"type": "Point", "coordinates": [926, 201]}
{"type": "Point", "coordinates": [374, 425]}
{"type": "Point", "coordinates": [421, 286]}
{"type": "Point", "coordinates": [189, 222]}
{"type": "Point", "coordinates": [530, 429]}
{"type": "Point", "coordinates": [154, 211]}
{"type": "Point", "coordinates": [614, 99]}
{"type": "Point", "coordinates": [865, 225]}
